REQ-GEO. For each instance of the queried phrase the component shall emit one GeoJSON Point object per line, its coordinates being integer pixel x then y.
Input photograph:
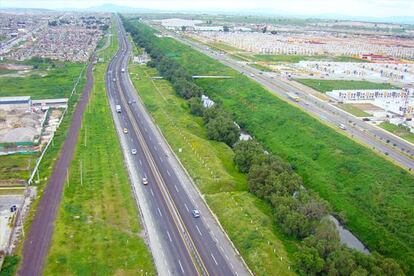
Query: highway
{"type": "Point", "coordinates": [187, 245]}
{"type": "Point", "coordinates": [383, 142]}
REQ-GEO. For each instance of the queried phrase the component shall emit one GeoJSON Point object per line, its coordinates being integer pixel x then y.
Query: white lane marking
{"type": "Point", "coordinates": [159, 211]}
{"type": "Point", "coordinates": [140, 162]}
{"type": "Point", "coordinates": [169, 237]}
{"type": "Point", "coordinates": [150, 138]}
{"type": "Point", "coordinates": [227, 257]}
{"type": "Point", "coordinates": [186, 207]}
{"type": "Point", "coordinates": [155, 148]}
{"type": "Point", "coordinates": [161, 160]}
{"type": "Point", "coordinates": [176, 188]}
{"type": "Point", "coordinates": [232, 267]}
{"type": "Point", "coordinates": [221, 247]}
{"type": "Point", "coordinates": [152, 193]}
{"type": "Point", "coordinates": [198, 229]}
{"type": "Point", "coordinates": [182, 269]}
{"type": "Point", "coordinates": [214, 259]}
{"type": "Point", "coordinates": [145, 129]}
{"type": "Point", "coordinates": [168, 172]}
{"type": "Point", "coordinates": [132, 140]}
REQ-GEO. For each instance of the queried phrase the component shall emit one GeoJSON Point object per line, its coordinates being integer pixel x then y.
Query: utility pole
{"type": "Point", "coordinates": [81, 176]}
{"type": "Point", "coordinates": [85, 134]}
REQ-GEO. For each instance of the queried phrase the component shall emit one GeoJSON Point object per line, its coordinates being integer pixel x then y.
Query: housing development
{"type": "Point", "coordinates": [181, 141]}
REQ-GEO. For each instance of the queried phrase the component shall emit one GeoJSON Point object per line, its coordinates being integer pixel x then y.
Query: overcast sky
{"type": "Point", "coordinates": [376, 8]}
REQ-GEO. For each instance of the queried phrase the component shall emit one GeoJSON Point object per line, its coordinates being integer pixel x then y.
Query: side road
{"type": "Point", "coordinates": [37, 242]}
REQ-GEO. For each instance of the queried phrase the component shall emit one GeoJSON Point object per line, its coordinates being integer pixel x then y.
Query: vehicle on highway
{"type": "Point", "coordinates": [129, 102]}
{"type": "Point", "coordinates": [134, 151]}
{"type": "Point", "coordinates": [125, 130]}
{"type": "Point", "coordinates": [118, 108]}
{"type": "Point", "coordinates": [144, 181]}
{"type": "Point", "coordinates": [342, 126]}
{"type": "Point", "coordinates": [196, 213]}
{"type": "Point", "coordinates": [293, 97]}
{"type": "Point", "coordinates": [114, 79]}
{"type": "Point", "coordinates": [251, 75]}
{"type": "Point", "coordinates": [122, 70]}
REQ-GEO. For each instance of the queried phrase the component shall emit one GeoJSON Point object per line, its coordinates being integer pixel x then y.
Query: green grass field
{"type": "Point", "coordinates": [97, 230]}
{"type": "Point", "coordinates": [329, 85]}
{"type": "Point", "coordinates": [16, 166]}
{"type": "Point", "coordinates": [399, 131]}
{"type": "Point", "coordinates": [353, 110]}
{"type": "Point", "coordinates": [248, 221]}
{"type": "Point", "coordinates": [57, 82]}
{"type": "Point", "coordinates": [375, 195]}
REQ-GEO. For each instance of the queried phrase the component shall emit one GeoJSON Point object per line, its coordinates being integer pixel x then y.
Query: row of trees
{"type": "Point", "coordinates": [305, 216]}
{"type": "Point", "coordinates": [219, 124]}
{"type": "Point", "coordinates": [299, 213]}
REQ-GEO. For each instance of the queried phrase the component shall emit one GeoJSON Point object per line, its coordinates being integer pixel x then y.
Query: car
{"type": "Point", "coordinates": [144, 181]}
{"type": "Point", "coordinates": [134, 151]}
{"type": "Point", "coordinates": [342, 126]}
{"type": "Point", "coordinates": [129, 102]}
{"type": "Point", "coordinates": [114, 79]}
{"type": "Point", "coordinates": [196, 213]}
{"type": "Point", "coordinates": [125, 130]}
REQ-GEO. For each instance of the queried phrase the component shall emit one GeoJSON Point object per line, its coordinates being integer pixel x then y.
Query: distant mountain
{"type": "Point", "coordinates": [117, 9]}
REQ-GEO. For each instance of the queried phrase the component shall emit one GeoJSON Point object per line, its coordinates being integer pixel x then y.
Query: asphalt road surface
{"type": "Point", "coordinates": [190, 246]}
{"type": "Point", "coordinates": [401, 151]}
{"type": "Point", "coordinates": [36, 244]}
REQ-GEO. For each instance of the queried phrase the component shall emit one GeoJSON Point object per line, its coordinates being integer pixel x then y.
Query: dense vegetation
{"type": "Point", "coordinates": [260, 181]}
{"type": "Point", "coordinates": [329, 85]}
{"type": "Point", "coordinates": [304, 216]}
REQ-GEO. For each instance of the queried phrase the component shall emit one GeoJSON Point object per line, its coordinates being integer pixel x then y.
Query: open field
{"type": "Point", "coordinates": [247, 221]}
{"type": "Point", "coordinates": [42, 83]}
{"type": "Point", "coordinates": [399, 131]}
{"type": "Point", "coordinates": [97, 228]}
{"type": "Point", "coordinates": [374, 195]}
{"type": "Point", "coordinates": [16, 166]}
{"type": "Point", "coordinates": [353, 110]}
{"type": "Point", "coordinates": [329, 85]}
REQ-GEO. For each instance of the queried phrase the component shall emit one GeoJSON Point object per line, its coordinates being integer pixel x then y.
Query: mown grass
{"type": "Point", "coordinates": [399, 131]}
{"type": "Point", "coordinates": [375, 195]}
{"type": "Point", "coordinates": [329, 85]}
{"type": "Point", "coordinates": [247, 221]}
{"type": "Point", "coordinates": [354, 110]}
{"type": "Point", "coordinates": [97, 230]}
{"type": "Point", "coordinates": [57, 82]}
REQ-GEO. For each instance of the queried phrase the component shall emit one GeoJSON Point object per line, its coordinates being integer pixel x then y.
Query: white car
{"type": "Point", "coordinates": [196, 213]}
{"type": "Point", "coordinates": [134, 151]}
{"type": "Point", "coordinates": [145, 181]}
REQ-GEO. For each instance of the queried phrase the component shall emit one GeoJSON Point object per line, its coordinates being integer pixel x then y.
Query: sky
{"type": "Point", "coordinates": [369, 8]}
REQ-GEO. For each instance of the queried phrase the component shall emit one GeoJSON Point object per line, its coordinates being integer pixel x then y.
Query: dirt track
{"type": "Point", "coordinates": [37, 242]}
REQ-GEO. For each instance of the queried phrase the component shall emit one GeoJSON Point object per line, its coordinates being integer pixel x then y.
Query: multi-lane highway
{"type": "Point", "coordinates": [401, 151]}
{"type": "Point", "coordinates": [181, 243]}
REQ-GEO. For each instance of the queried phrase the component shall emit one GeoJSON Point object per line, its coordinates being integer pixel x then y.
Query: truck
{"type": "Point", "coordinates": [118, 108]}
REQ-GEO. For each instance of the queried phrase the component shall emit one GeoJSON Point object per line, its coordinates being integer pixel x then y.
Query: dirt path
{"type": "Point", "coordinates": [37, 242]}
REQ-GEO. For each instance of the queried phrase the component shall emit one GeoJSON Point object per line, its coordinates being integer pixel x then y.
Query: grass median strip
{"type": "Point", "coordinates": [97, 230]}
{"type": "Point", "coordinates": [247, 221]}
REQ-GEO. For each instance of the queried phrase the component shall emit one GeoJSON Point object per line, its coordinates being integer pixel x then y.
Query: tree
{"type": "Point", "coordinates": [196, 106]}
{"type": "Point", "coordinates": [223, 129]}
{"type": "Point", "coordinates": [308, 261]}
{"type": "Point", "coordinates": [244, 154]}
